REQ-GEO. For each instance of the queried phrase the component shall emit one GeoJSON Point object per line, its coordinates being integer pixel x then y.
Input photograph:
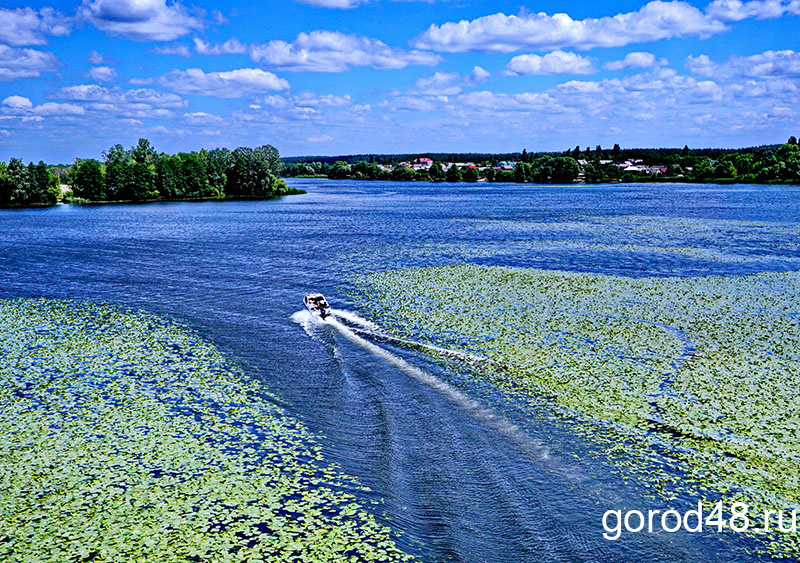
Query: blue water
{"type": "Point", "coordinates": [459, 473]}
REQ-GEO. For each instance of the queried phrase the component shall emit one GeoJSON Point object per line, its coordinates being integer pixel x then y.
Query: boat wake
{"type": "Point", "coordinates": [353, 324]}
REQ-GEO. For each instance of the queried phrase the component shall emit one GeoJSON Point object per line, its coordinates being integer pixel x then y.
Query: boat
{"type": "Point", "coordinates": [317, 305]}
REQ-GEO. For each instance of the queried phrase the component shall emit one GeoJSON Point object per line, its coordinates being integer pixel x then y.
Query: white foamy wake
{"type": "Point", "coordinates": [371, 329]}
{"type": "Point", "coordinates": [474, 408]}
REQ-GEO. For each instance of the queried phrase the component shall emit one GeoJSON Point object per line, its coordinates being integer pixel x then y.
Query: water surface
{"type": "Point", "coordinates": [458, 472]}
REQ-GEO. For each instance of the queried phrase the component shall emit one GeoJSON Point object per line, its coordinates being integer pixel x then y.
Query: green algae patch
{"type": "Point", "coordinates": [125, 437]}
{"type": "Point", "coordinates": [699, 375]}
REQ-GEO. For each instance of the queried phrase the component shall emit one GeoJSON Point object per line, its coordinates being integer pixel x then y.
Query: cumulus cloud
{"type": "Point", "coordinates": [332, 51]}
{"type": "Point", "coordinates": [136, 103]}
{"type": "Point", "coordinates": [636, 59]}
{"type": "Point", "coordinates": [24, 63]}
{"type": "Point", "coordinates": [499, 32]}
{"type": "Point", "coordinates": [308, 99]}
{"type": "Point", "coordinates": [557, 62]}
{"type": "Point", "coordinates": [448, 83]}
{"type": "Point", "coordinates": [180, 50]}
{"type": "Point", "coordinates": [25, 26]}
{"type": "Point", "coordinates": [230, 47]}
{"type": "Point", "coordinates": [102, 73]}
{"type": "Point", "coordinates": [229, 84]}
{"type": "Point", "coordinates": [22, 106]}
{"type": "Point", "coordinates": [766, 65]}
{"type": "Point", "coordinates": [736, 10]}
{"type": "Point", "coordinates": [140, 20]}
{"type": "Point", "coordinates": [201, 118]}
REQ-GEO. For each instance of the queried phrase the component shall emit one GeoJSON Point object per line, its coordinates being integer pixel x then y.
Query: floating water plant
{"type": "Point", "coordinates": [708, 368]}
{"type": "Point", "coordinates": [124, 437]}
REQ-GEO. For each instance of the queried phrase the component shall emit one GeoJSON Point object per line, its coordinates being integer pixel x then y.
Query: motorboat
{"type": "Point", "coordinates": [317, 305]}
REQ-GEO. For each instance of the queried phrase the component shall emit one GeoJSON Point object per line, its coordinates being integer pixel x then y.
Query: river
{"type": "Point", "coordinates": [456, 470]}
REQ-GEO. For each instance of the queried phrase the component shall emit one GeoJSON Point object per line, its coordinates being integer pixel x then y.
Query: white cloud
{"type": "Point", "coordinates": [18, 102]}
{"type": "Point", "coordinates": [557, 62]}
{"type": "Point", "coordinates": [230, 84]}
{"type": "Point", "coordinates": [440, 84]}
{"type": "Point", "coordinates": [143, 103]}
{"type": "Point", "coordinates": [766, 65]}
{"type": "Point", "coordinates": [498, 32]}
{"type": "Point", "coordinates": [177, 49]}
{"type": "Point", "coordinates": [479, 74]}
{"type": "Point", "coordinates": [201, 118]}
{"type": "Point", "coordinates": [102, 73]}
{"type": "Point", "coordinates": [25, 26]}
{"type": "Point", "coordinates": [140, 81]}
{"type": "Point", "coordinates": [736, 10]}
{"type": "Point", "coordinates": [636, 59]}
{"type": "Point", "coordinates": [21, 106]}
{"type": "Point", "coordinates": [331, 51]}
{"type": "Point", "coordinates": [96, 58]}
{"type": "Point", "coordinates": [140, 20]}
{"type": "Point", "coordinates": [320, 139]}
{"type": "Point", "coordinates": [24, 63]}
{"type": "Point", "coordinates": [230, 47]}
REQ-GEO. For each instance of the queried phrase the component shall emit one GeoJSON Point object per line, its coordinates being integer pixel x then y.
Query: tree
{"type": "Point", "coordinates": [144, 153]}
{"type": "Point", "coordinates": [168, 176]}
{"type": "Point", "coordinates": [217, 162]}
{"type": "Point", "coordinates": [524, 157]}
{"type": "Point", "coordinates": [273, 159]}
{"type": "Point", "coordinates": [685, 151]}
{"type": "Point", "coordinates": [453, 174]}
{"type": "Point", "coordinates": [470, 175]}
{"type": "Point", "coordinates": [436, 172]}
{"type": "Point", "coordinates": [87, 178]}
{"type": "Point", "coordinates": [250, 174]}
{"type": "Point", "coordinates": [44, 184]}
{"type": "Point", "coordinates": [6, 187]}
{"type": "Point", "coordinates": [117, 172]}
{"type": "Point", "coordinates": [20, 182]}
{"type": "Point", "coordinates": [792, 140]}
{"type": "Point", "coordinates": [193, 180]}
{"type": "Point", "coordinates": [616, 153]}
{"type": "Point", "coordinates": [141, 182]}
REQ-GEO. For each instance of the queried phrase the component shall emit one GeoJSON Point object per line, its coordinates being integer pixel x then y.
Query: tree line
{"type": "Point", "coordinates": [765, 164]}
{"type": "Point", "coordinates": [543, 169]}
{"type": "Point", "coordinates": [143, 174]}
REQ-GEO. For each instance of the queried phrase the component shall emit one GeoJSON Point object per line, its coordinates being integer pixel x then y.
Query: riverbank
{"type": "Point", "coordinates": [699, 373]}
{"type": "Point", "coordinates": [80, 201]}
{"type": "Point", "coordinates": [127, 437]}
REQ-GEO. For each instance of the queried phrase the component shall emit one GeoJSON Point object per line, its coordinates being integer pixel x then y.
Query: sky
{"type": "Point", "coordinates": [328, 77]}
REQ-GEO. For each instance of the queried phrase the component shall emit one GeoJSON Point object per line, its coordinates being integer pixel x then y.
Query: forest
{"type": "Point", "coordinates": [143, 174]}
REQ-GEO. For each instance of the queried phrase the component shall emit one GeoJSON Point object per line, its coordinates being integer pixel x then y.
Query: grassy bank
{"type": "Point", "coordinates": [124, 437]}
{"type": "Point", "coordinates": [706, 369]}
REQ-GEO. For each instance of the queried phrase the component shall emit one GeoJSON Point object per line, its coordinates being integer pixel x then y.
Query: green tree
{"type": "Point", "coordinates": [118, 173]}
{"type": "Point", "coordinates": [470, 175]}
{"type": "Point", "coordinates": [6, 186]}
{"type": "Point", "coordinates": [144, 153]}
{"type": "Point", "coordinates": [217, 162]}
{"type": "Point", "coordinates": [193, 180]}
{"type": "Point", "coordinates": [453, 174]}
{"type": "Point", "coordinates": [250, 174]}
{"type": "Point", "coordinates": [87, 179]}
{"type": "Point", "coordinates": [436, 172]}
{"type": "Point", "coordinates": [20, 182]}
{"type": "Point", "coordinates": [168, 176]}
{"type": "Point", "coordinates": [43, 184]}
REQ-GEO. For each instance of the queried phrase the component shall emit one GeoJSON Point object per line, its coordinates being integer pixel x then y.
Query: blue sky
{"type": "Point", "coordinates": [382, 76]}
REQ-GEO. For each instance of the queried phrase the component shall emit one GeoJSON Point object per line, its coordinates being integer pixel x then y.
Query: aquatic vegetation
{"type": "Point", "coordinates": [125, 437]}
{"type": "Point", "coordinates": [704, 370]}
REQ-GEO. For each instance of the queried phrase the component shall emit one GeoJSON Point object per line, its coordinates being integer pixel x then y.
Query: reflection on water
{"type": "Point", "coordinates": [448, 458]}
